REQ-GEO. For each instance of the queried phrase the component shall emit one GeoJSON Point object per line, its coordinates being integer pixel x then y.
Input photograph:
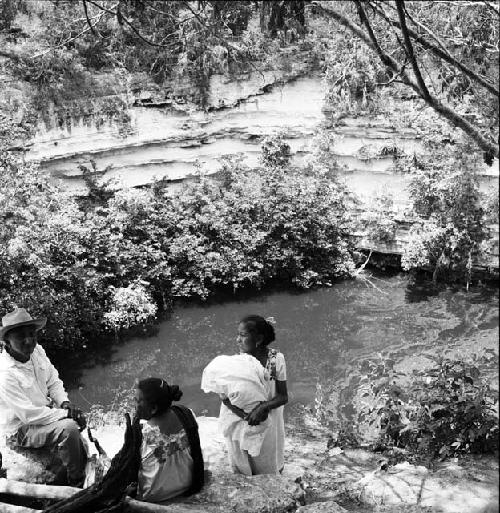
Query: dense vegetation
{"type": "Point", "coordinates": [92, 51]}
{"type": "Point", "coordinates": [116, 260]}
{"type": "Point", "coordinates": [445, 54]}
{"type": "Point", "coordinates": [446, 198]}
{"type": "Point", "coordinates": [125, 256]}
{"type": "Point", "coordinates": [116, 263]}
{"type": "Point", "coordinates": [441, 410]}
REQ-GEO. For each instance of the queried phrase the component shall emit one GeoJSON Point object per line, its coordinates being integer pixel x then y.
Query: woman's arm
{"type": "Point", "coordinates": [237, 411]}
{"type": "Point", "coordinates": [260, 412]}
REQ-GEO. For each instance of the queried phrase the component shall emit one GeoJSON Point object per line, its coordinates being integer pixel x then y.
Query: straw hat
{"type": "Point", "coordinates": [17, 318]}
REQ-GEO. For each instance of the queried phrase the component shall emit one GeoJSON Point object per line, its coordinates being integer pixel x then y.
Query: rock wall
{"type": "Point", "coordinates": [166, 142]}
{"type": "Point", "coordinates": [167, 138]}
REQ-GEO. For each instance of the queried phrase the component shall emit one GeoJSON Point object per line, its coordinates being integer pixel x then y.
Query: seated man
{"type": "Point", "coordinates": [34, 406]}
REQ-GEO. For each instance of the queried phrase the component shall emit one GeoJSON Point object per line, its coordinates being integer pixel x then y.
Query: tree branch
{"type": "Point", "coordinates": [460, 122]}
{"type": "Point", "coordinates": [394, 77]}
{"type": "Point", "coordinates": [127, 22]}
{"type": "Point", "coordinates": [61, 44]}
{"type": "Point", "coordinates": [446, 56]}
{"type": "Point", "coordinates": [85, 10]}
{"type": "Point", "coordinates": [373, 42]}
{"type": "Point", "coordinates": [428, 30]}
{"type": "Point", "coordinates": [426, 95]}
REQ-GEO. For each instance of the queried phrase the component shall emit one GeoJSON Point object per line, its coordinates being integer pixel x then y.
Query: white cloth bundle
{"type": "Point", "coordinates": [241, 378]}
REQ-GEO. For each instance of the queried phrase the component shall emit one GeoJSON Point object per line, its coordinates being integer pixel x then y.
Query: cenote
{"type": "Point", "coordinates": [324, 334]}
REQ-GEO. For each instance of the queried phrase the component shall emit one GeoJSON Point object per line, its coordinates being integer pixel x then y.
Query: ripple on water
{"type": "Point", "coordinates": [325, 335]}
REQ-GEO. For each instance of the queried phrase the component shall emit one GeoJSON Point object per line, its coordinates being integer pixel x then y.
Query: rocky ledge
{"type": "Point", "coordinates": [316, 479]}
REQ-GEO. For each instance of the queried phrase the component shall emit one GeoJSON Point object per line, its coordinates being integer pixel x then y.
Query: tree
{"type": "Point", "coordinates": [455, 73]}
{"type": "Point", "coordinates": [445, 194]}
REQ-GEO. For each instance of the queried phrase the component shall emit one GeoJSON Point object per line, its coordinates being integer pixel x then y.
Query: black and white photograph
{"type": "Point", "coordinates": [249, 256]}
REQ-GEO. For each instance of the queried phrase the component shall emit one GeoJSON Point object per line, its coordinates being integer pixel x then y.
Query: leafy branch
{"type": "Point", "coordinates": [368, 36]}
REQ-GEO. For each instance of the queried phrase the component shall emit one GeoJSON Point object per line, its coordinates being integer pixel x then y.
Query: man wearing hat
{"type": "Point", "coordinates": [34, 405]}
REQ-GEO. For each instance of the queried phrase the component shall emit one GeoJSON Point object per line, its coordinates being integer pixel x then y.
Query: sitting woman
{"type": "Point", "coordinates": [172, 462]}
{"type": "Point", "coordinates": [253, 389]}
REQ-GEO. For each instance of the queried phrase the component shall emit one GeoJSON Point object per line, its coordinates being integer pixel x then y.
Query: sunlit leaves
{"type": "Point", "coordinates": [445, 194]}
{"type": "Point", "coordinates": [94, 268]}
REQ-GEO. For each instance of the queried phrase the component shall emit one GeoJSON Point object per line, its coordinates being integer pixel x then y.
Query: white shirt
{"type": "Point", "coordinates": [28, 392]}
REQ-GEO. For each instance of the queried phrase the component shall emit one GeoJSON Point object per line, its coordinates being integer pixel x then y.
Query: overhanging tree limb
{"type": "Point", "coordinates": [445, 55]}
{"type": "Point", "coordinates": [370, 40]}
{"type": "Point", "coordinates": [491, 6]}
{"type": "Point", "coordinates": [122, 18]}
{"type": "Point", "coordinates": [384, 57]}
{"type": "Point", "coordinates": [89, 23]}
{"type": "Point", "coordinates": [426, 95]}
{"type": "Point", "coordinates": [428, 30]}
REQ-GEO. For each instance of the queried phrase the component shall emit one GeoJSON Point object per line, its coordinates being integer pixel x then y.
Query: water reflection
{"type": "Point", "coordinates": [325, 335]}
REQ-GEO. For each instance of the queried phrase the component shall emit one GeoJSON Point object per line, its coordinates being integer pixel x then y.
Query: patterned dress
{"type": "Point", "coordinates": [167, 466]}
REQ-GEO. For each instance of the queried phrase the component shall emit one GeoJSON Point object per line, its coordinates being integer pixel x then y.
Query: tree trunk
{"type": "Point", "coordinates": [10, 508]}
{"type": "Point", "coordinates": [37, 491]}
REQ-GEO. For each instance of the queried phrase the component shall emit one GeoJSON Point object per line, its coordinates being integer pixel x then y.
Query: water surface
{"type": "Point", "coordinates": [324, 334]}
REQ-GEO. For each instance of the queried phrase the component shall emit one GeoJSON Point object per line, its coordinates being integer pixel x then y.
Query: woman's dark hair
{"type": "Point", "coordinates": [190, 425]}
{"type": "Point", "coordinates": [157, 392]}
{"type": "Point", "coordinates": [257, 325]}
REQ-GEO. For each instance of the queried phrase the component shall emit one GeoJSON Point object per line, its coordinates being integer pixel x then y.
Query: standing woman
{"type": "Point", "coordinates": [254, 336]}
{"type": "Point", "coordinates": [171, 458]}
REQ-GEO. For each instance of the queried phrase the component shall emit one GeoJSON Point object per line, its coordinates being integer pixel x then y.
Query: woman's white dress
{"type": "Point", "coordinates": [271, 457]}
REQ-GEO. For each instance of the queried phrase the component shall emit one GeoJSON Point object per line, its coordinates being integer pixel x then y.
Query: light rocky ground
{"type": "Point", "coordinates": [318, 480]}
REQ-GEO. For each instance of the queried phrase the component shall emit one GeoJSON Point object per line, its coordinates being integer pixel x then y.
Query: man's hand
{"type": "Point", "coordinates": [258, 414]}
{"type": "Point", "coordinates": [131, 490]}
{"type": "Point", "coordinates": [75, 413]}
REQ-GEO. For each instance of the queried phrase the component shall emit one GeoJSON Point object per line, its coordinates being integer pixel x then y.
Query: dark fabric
{"type": "Point", "coordinates": [191, 427]}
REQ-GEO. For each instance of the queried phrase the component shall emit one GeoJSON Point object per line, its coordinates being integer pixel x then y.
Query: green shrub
{"type": "Point", "coordinates": [445, 194]}
{"type": "Point", "coordinates": [379, 220]}
{"type": "Point", "coordinates": [440, 411]}
{"type": "Point", "coordinates": [96, 267]}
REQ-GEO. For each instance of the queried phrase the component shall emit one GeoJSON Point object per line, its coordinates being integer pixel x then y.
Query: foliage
{"type": "Point", "coordinates": [352, 77]}
{"type": "Point", "coordinates": [68, 51]}
{"type": "Point", "coordinates": [379, 220]}
{"type": "Point", "coordinates": [41, 254]}
{"type": "Point", "coordinates": [420, 50]}
{"type": "Point", "coordinates": [181, 40]}
{"type": "Point", "coordinates": [491, 206]}
{"type": "Point", "coordinates": [445, 194]}
{"type": "Point", "coordinates": [322, 162]}
{"type": "Point", "coordinates": [94, 268]}
{"type": "Point", "coordinates": [440, 411]}
{"type": "Point", "coordinates": [259, 225]}
{"type": "Point", "coordinates": [98, 193]}
{"type": "Point", "coordinates": [275, 152]}
{"type": "Point", "coordinates": [129, 306]}
{"type": "Point", "coordinates": [7, 13]}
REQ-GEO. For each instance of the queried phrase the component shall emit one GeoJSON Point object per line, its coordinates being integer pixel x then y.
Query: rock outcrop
{"type": "Point", "coordinates": [449, 490]}
{"type": "Point", "coordinates": [28, 466]}
{"type": "Point", "coordinates": [317, 479]}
